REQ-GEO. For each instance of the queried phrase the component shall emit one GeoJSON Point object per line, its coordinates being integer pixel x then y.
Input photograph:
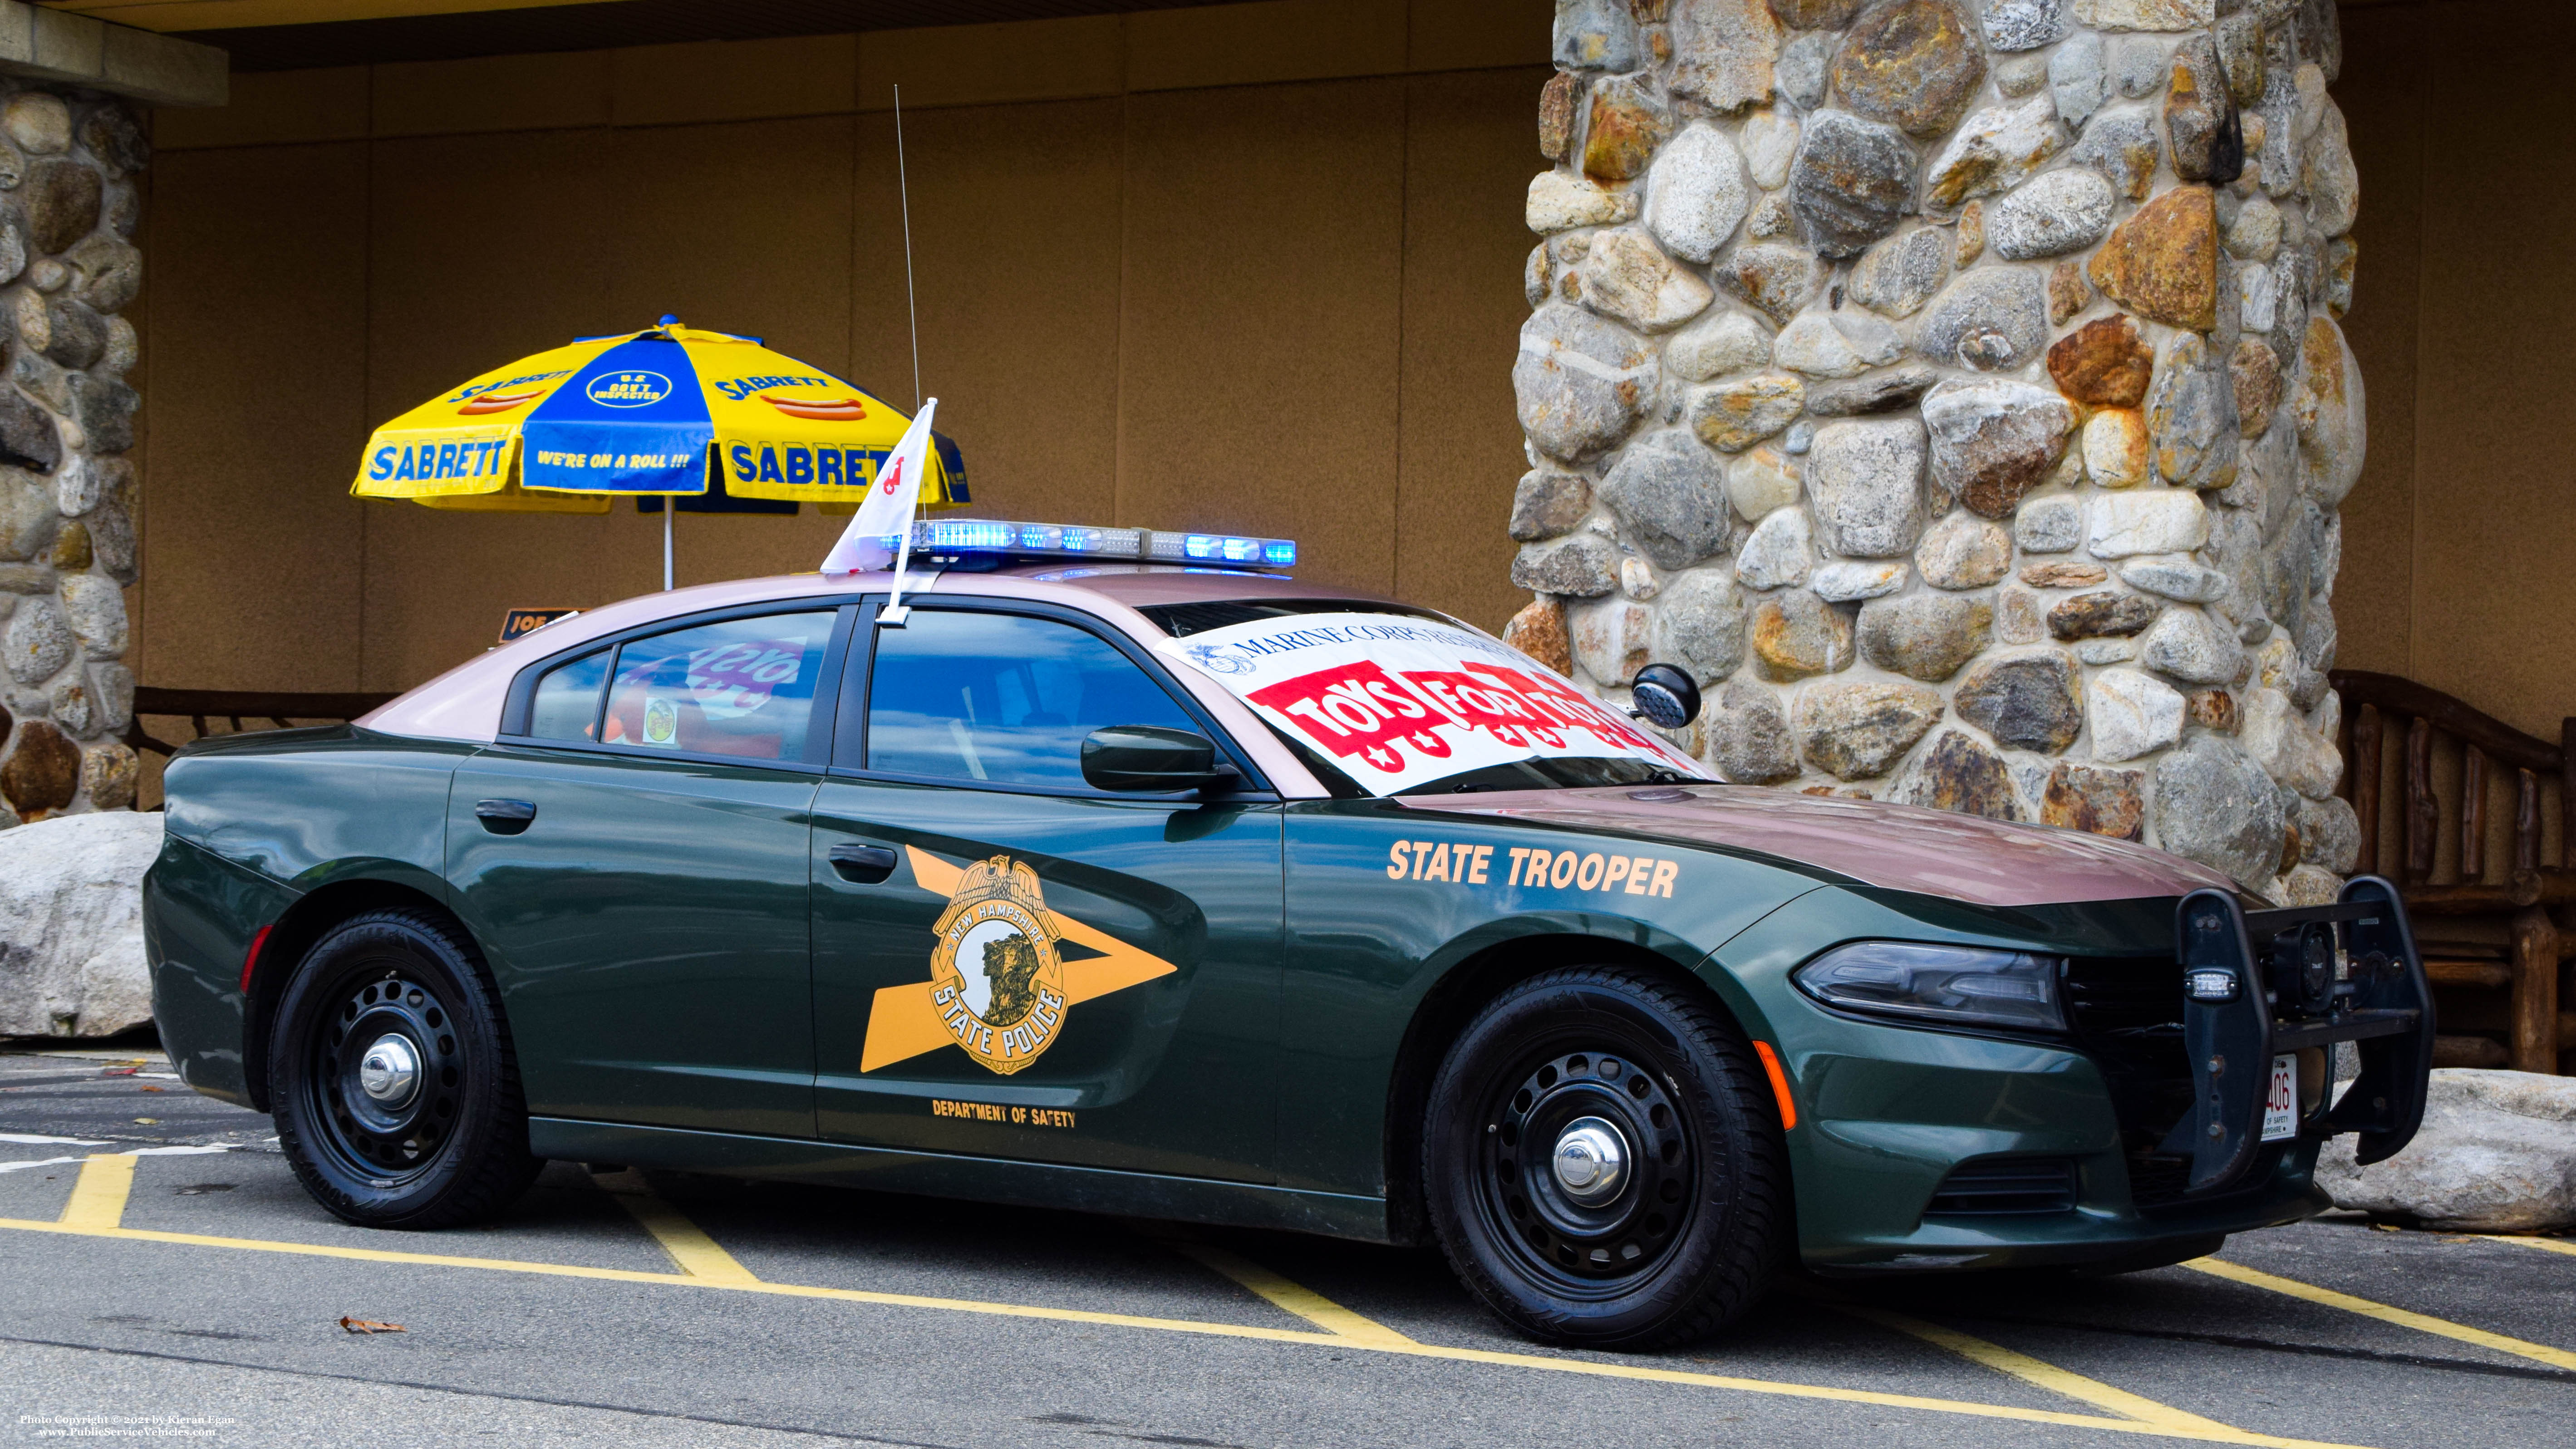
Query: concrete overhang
{"type": "Point", "coordinates": [265, 35]}
{"type": "Point", "coordinates": [79, 50]}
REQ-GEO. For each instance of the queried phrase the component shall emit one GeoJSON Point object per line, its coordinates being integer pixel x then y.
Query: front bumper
{"type": "Point", "coordinates": [1902, 1119]}
{"type": "Point", "coordinates": [2101, 1228]}
{"type": "Point", "coordinates": [1898, 1122]}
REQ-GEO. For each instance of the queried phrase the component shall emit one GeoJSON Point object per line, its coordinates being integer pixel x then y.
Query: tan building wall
{"type": "Point", "coordinates": [1254, 268]}
{"type": "Point", "coordinates": [2459, 560]}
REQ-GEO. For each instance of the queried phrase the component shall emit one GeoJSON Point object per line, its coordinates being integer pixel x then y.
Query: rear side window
{"type": "Point", "coordinates": [1001, 698]}
{"type": "Point", "coordinates": [743, 687]}
{"type": "Point", "coordinates": [566, 703]}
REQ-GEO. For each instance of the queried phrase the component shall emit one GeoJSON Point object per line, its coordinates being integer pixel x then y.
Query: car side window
{"type": "Point", "coordinates": [1001, 699]}
{"type": "Point", "coordinates": [565, 705]}
{"type": "Point", "coordinates": [742, 687]}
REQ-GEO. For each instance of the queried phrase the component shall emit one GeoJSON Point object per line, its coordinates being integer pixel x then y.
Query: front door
{"type": "Point", "coordinates": [1009, 963]}
{"type": "Point", "coordinates": [633, 858]}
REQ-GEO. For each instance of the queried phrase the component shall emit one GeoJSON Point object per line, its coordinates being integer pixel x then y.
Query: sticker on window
{"type": "Point", "coordinates": [1399, 702]}
{"type": "Point", "coordinates": [661, 722]}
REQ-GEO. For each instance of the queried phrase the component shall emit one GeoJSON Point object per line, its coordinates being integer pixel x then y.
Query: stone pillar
{"type": "Point", "coordinates": [1954, 387]}
{"type": "Point", "coordinates": [68, 206]}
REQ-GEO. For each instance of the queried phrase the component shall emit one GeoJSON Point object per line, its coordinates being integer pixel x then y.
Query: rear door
{"type": "Point", "coordinates": [632, 855]}
{"type": "Point", "coordinates": [1009, 963]}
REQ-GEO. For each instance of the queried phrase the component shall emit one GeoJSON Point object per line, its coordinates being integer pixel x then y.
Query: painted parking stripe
{"type": "Point", "coordinates": [2404, 1318]}
{"type": "Point", "coordinates": [136, 1152]}
{"type": "Point", "coordinates": [2552, 1245]}
{"type": "Point", "coordinates": [98, 1197]}
{"type": "Point", "coordinates": [1296, 1298]}
{"type": "Point", "coordinates": [2044, 1375]}
{"type": "Point", "coordinates": [695, 1254]}
{"type": "Point", "coordinates": [34, 1140]}
{"type": "Point", "coordinates": [1635, 1372]}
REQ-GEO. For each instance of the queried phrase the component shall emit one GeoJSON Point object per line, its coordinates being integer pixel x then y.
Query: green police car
{"type": "Point", "coordinates": [1116, 870]}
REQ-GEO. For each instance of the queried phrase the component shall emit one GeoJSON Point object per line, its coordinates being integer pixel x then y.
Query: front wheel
{"type": "Point", "coordinates": [1601, 1164]}
{"type": "Point", "coordinates": [396, 1092]}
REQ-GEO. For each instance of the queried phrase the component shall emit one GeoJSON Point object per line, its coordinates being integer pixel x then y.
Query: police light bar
{"type": "Point", "coordinates": [996, 537]}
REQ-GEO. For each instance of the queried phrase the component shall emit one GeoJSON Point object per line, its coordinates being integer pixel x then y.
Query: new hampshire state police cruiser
{"type": "Point", "coordinates": [1131, 875]}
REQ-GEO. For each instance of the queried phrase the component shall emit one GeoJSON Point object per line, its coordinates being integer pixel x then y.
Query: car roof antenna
{"type": "Point", "coordinates": [894, 614]}
{"type": "Point", "coordinates": [903, 189]}
{"type": "Point", "coordinates": [899, 502]}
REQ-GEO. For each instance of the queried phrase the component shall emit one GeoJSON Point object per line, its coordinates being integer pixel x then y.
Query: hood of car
{"type": "Point", "coordinates": [1899, 847]}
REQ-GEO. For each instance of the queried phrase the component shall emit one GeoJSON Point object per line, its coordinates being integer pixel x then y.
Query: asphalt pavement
{"type": "Point", "coordinates": [163, 1279]}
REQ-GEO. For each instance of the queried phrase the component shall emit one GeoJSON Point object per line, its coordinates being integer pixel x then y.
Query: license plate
{"type": "Point", "coordinates": [2281, 1104]}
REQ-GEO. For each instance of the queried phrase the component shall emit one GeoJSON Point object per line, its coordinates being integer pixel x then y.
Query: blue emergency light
{"type": "Point", "coordinates": [998, 539]}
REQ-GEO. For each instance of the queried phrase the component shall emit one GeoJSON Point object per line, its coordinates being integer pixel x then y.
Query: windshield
{"type": "Point", "coordinates": [1380, 699]}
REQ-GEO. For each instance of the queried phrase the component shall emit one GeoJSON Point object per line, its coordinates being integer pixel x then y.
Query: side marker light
{"type": "Point", "coordinates": [250, 958]}
{"type": "Point", "coordinates": [1779, 1084]}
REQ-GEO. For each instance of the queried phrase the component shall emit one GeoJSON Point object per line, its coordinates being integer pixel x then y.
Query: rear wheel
{"type": "Point", "coordinates": [1600, 1162]}
{"type": "Point", "coordinates": [397, 1095]}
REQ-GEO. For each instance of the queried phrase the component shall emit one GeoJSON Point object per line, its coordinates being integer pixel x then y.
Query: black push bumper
{"type": "Point", "coordinates": [2261, 984]}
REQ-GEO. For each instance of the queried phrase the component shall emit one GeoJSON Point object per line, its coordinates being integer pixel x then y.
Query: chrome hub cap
{"type": "Point", "coordinates": [390, 1071]}
{"type": "Point", "coordinates": [1591, 1161]}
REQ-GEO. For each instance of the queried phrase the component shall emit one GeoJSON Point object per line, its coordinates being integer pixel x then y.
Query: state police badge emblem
{"type": "Point", "coordinates": [999, 989]}
{"type": "Point", "coordinates": [995, 975]}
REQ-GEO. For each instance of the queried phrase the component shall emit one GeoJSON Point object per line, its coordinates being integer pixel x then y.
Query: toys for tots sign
{"type": "Point", "coordinates": [1400, 702]}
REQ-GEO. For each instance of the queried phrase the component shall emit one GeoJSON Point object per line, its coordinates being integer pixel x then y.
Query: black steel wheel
{"type": "Point", "coordinates": [396, 1093]}
{"type": "Point", "coordinates": [1601, 1164]}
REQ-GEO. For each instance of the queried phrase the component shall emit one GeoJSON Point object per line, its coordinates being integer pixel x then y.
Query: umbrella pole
{"type": "Point", "coordinates": [670, 506]}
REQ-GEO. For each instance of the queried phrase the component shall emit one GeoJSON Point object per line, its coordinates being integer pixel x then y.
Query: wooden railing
{"type": "Point", "coordinates": [2484, 923]}
{"type": "Point", "coordinates": [281, 711]}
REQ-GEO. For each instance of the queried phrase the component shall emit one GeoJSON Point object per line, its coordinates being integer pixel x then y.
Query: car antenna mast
{"type": "Point", "coordinates": [903, 189]}
{"type": "Point", "coordinates": [894, 615]}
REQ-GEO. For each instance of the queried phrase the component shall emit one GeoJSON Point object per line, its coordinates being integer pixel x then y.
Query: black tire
{"type": "Point", "coordinates": [1684, 1238]}
{"type": "Point", "coordinates": [454, 1148]}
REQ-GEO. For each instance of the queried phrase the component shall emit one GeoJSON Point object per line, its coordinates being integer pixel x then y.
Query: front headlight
{"type": "Point", "coordinates": [1963, 984]}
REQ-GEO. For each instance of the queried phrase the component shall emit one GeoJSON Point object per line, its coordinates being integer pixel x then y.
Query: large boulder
{"type": "Point", "coordinates": [2496, 1154]}
{"type": "Point", "coordinates": [71, 925]}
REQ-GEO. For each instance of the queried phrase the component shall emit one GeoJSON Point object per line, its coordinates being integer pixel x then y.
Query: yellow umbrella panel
{"type": "Point", "coordinates": [671, 411]}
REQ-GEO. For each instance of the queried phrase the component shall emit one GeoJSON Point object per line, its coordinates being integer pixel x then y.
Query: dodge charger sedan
{"type": "Point", "coordinates": [1187, 890]}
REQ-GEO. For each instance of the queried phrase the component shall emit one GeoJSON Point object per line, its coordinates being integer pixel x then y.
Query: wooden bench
{"type": "Point", "coordinates": [281, 710]}
{"type": "Point", "coordinates": [2431, 780]}
{"type": "Point", "coordinates": [261, 708]}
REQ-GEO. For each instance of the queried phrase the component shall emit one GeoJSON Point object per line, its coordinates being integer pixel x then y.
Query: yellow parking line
{"type": "Point", "coordinates": [2553, 1245]}
{"type": "Point", "coordinates": [1305, 1302]}
{"type": "Point", "coordinates": [98, 1197]}
{"type": "Point", "coordinates": [2421, 1322]}
{"type": "Point", "coordinates": [690, 1248]}
{"type": "Point", "coordinates": [1632, 1371]}
{"type": "Point", "coordinates": [2045, 1375]}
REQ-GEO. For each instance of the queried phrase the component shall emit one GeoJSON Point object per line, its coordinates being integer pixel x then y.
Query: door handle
{"type": "Point", "coordinates": [862, 864]}
{"type": "Point", "coordinates": [505, 817]}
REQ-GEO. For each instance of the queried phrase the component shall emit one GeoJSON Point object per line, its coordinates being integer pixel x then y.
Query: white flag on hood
{"type": "Point", "coordinates": [891, 503]}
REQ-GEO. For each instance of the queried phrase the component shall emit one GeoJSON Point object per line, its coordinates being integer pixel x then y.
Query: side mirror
{"type": "Point", "coordinates": [1151, 759]}
{"type": "Point", "coordinates": [1665, 697]}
